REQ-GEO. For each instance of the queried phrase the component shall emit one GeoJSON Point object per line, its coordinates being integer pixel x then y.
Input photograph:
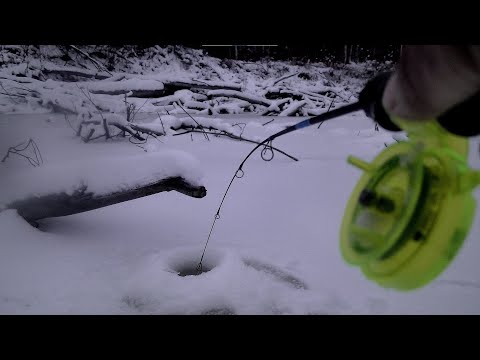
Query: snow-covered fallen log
{"type": "Point", "coordinates": [275, 107]}
{"type": "Point", "coordinates": [282, 93]}
{"type": "Point", "coordinates": [63, 189]}
{"type": "Point", "coordinates": [293, 108]}
{"type": "Point", "coordinates": [196, 105]}
{"type": "Point", "coordinates": [179, 96]}
{"type": "Point", "coordinates": [232, 108]}
{"type": "Point", "coordinates": [198, 84]}
{"type": "Point", "coordinates": [134, 87]}
{"type": "Point", "coordinates": [210, 84]}
{"type": "Point", "coordinates": [69, 73]}
{"type": "Point", "coordinates": [239, 95]}
{"type": "Point", "coordinates": [315, 112]}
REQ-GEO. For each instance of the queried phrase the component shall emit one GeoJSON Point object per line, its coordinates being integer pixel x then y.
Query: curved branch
{"type": "Point", "coordinates": [224, 133]}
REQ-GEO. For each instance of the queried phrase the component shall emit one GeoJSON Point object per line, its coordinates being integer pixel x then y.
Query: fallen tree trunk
{"type": "Point", "coordinates": [67, 74]}
{"type": "Point", "coordinates": [281, 93]}
{"type": "Point", "coordinates": [275, 107]}
{"type": "Point", "coordinates": [133, 87]}
{"type": "Point", "coordinates": [293, 108]}
{"type": "Point", "coordinates": [172, 86]}
{"type": "Point", "coordinates": [63, 204]}
{"type": "Point", "coordinates": [239, 95]}
{"type": "Point", "coordinates": [132, 93]}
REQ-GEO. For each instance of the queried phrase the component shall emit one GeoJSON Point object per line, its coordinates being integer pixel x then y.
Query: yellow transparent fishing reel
{"type": "Point", "coordinates": [412, 208]}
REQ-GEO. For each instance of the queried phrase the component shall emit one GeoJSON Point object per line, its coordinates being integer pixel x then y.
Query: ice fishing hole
{"type": "Point", "coordinates": [185, 263]}
{"type": "Point", "coordinates": [192, 269]}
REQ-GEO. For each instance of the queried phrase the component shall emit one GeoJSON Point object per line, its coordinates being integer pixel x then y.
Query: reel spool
{"type": "Point", "coordinates": [412, 208]}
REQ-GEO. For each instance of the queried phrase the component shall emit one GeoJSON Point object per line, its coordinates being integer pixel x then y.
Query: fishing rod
{"type": "Point", "coordinates": [413, 206]}
{"type": "Point", "coordinates": [267, 143]}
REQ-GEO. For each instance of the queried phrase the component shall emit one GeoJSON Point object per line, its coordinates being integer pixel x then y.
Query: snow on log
{"type": "Point", "coordinates": [210, 84]}
{"type": "Point", "coordinates": [172, 86]}
{"type": "Point", "coordinates": [179, 96]}
{"type": "Point", "coordinates": [138, 87]}
{"type": "Point", "coordinates": [155, 129]}
{"type": "Point", "coordinates": [315, 112]}
{"type": "Point", "coordinates": [275, 107]}
{"type": "Point", "coordinates": [196, 105]}
{"type": "Point", "coordinates": [293, 108]}
{"type": "Point", "coordinates": [239, 95]}
{"type": "Point", "coordinates": [70, 72]}
{"type": "Point", "coordinates": [232, 108]}
{"type": "Point", "coordinates": [281, 93]}
{"type": "Point", "coordinates": [63, 189]}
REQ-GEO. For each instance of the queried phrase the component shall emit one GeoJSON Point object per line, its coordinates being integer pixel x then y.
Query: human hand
{"type": "Point", "coordinates": [430, 79]}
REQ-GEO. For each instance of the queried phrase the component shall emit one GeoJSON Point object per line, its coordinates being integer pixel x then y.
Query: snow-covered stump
{"type": "Point", "coordinates": [64, 189]}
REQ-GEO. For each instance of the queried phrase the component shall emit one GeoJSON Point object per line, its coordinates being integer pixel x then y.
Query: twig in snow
{"type": "Point", "coordinates": [10, 95]}
{"type": "Point", "coordinates": [68, 122]}
{"type": "Point", "coordinates": [331, 103]}
{"type": "Point", "coordinates": [163, 127]}
{"type": "Point", "coordinates": [268, 122]}
{"type": "Point", "coordinates": [104, 122]}
{"type": "Point", "coordinates": [241, 127]}
{"type": "Point", "coordinates": [15, 150]}
{"type": "Point", "coordinates": [89, 135]}
{"type": "Point", "coordinates": [136, 112]}
{"type": "Point", "coordinates": [199, 126]}
{"type": "Point", "coordinates": [124, 128]}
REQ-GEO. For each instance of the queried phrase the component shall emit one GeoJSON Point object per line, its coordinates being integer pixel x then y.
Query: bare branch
{"type": "Point", "coordinates": [284, 78]}
{"type": "Point", "coordinates": [130, 131]}
{"type": "Point", "coordinates": [163, 127]}
{"type": "Point", "coordinates": [37, 161]}
{"type": "Point", "coordinates": [10, 95]}
{"type": "Point", "coordinates": [97, 63]}
{"type": "Point", "coordinates": [199, 126]}
{"type": "Point", "coordinates": [87, 138]}
{"type": "Point", "coordinates": [224, 133]}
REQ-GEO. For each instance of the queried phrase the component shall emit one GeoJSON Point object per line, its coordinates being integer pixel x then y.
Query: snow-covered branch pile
{"type": "Point", "coordinates": [166, 125]}
{"type": "Point", "coordinates": [55, 78]}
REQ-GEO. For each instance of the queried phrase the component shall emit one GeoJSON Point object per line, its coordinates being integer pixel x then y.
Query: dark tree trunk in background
{"type": "Point", "coordinates": [327, 53]}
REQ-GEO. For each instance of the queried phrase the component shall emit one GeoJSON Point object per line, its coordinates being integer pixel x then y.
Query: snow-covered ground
{"type": "Point", "coordinates": [274, 250]}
